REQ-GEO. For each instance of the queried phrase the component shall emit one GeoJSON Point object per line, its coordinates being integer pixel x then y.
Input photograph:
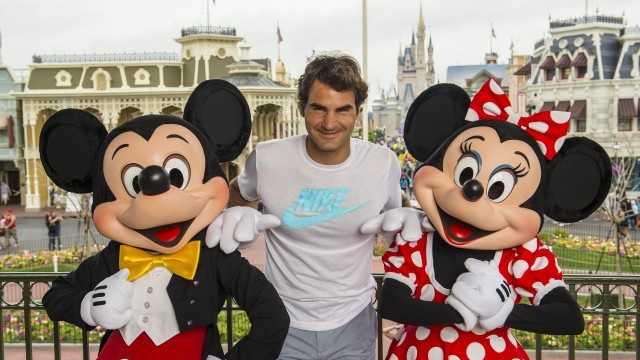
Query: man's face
{"type": "Point", "coordinates": [330, 116]}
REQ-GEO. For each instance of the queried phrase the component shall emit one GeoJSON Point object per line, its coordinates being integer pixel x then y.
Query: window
{"type": "Point", "coordinates": [142, 77]}
{"type": "Point", "coordinates": [101, 80]}
{"type": "Point", "coordinates": [581, 71]}
{"type": "Point", "coordinates": [63, 78]}
{"type": "Point", "coordinates": [548, 74]}
{"type": "Point", "coordinates": [565, 73]}
{"type": "Point", "coordinates": [579, 116]}
{"type": "Point", "coordinates": [626, 113]}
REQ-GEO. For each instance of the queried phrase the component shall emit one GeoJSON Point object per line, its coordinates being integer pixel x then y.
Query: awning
{"type": "Point", "coordinates": [563, 106]}
{"type": "Point", "coordinates": [525, 70]}
{"type": "Point", "coordinates": [564, 62]}
{"type": "Point", "coordinates": [580, 60]}
{"type": "Point", "coordinates": [547, 106]}
{"type": "Point", "coordinates": [548, 63]}
{"type": "Point", "coordinates": [579, 110]}
{"type": "Point", "coordinates": [626, 109]}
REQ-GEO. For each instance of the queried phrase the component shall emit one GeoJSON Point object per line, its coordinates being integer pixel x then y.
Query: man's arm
{"type": "Point", "coordinates": [244, 188]}
{"type": "Point", "coordinates": [235, 197]}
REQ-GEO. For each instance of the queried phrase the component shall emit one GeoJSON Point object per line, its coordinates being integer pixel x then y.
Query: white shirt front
{"type": "Point", "coordinates": [317, 259]}
{"type": "Point", "coordinates": [152, 310]}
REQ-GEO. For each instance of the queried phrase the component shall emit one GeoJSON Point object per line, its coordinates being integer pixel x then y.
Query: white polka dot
{"type": "Point", "coordinates": [393, 357]}
{"type": "Point", "coordinates": [412, 353]}
{"type": "Point", "coordinates": [543, 147]}
{"type": "Point", "coordinates": [412, 276]}
{"type": "Point", "coordinates": [413, 244]}
{"type": "Point", "coordinates": [427, 293]}
{"type": "Point", "coordinates": [449, 334]}
{"type": "Point", "coordinates": [435, 353]}
{"type": "Point", "coordinates": [509, 269]}
{"type": "Point", "coordinates": [472, 115]}
{"type": "Point", "coordinates": [508, 110]}
{"type": "Point", "coordinates": [397, 261]}
{"type": "Point", "coordinates": [491, 109]}
{"type": "Point", "coordinates": [559, 143]}
{"type": "Point", "coordinates": [497, 343]}
{"type": "Point", "coordinates": [478, 331]}
{"type": "Point", "coordinates": [495, 88]}
{"type": "Point", "coordinates": [539, 126]}
{"type": "Point", "coordinates": [453, 357]}
{"type": "Point", "coordinates": [519, 267]}
{"type": "Point", "coordinates": [540, 263]}
{"type": "Point", "coordinates": [537, 285]}
{"type": "Point", "coordinates": [531, 245]}
{"type": "Point", "coordinates": [513, 118]}
{"type": "Point", "coordinates": [524, 292]}
{"type": "Point", "coordinates": [422, 333]}
{"type": "Point", "coordinates": [475, 351]}
{"type": "Point", "coordinates": [416, 258]}
{"type": "Point", "coordinates": [512, 339]}
{"type": "Point", "coordinates": [560, 117]}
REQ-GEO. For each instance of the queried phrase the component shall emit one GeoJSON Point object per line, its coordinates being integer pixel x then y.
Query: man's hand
{"type": "Point", "coordinates": [109, 303]}
{"type": "Point", "coordinates": [410, 221]}
{"type": "Point", "coordinates": [237, 226]}
{"type": "Point", "coordinates": [485, 292]}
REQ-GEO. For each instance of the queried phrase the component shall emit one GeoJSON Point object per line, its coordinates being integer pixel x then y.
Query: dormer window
{"type": "Point", "coordinates": [63, 78]}
{"type": "Point", "coordinates": [549, 68]}
{"type": "Point", "coordinates": [564, 65]}
{"type": "Point", "coordinates": [142, 77]}
{"type": "Point", "coordinates": [101, 80]}
{"type": "Point", "coordinates": [580, 64]}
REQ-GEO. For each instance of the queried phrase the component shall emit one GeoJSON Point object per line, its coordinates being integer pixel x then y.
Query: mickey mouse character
{"type": "Point", "coordinates": [487, 179]}
{"type": "Point", "coordinates": [157, 184]}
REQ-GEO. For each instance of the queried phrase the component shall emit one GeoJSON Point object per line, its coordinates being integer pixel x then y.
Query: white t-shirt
{"type": "Point", "coordinates": [317, 259]}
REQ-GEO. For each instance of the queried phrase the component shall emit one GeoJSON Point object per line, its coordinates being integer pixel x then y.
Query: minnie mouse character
{"type": "Point", "coordinates": [487, 179]}
{"type": "Point", "coordinates": [157, 184]}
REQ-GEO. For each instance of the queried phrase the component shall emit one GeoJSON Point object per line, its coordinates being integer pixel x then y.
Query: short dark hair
{"type": "Point", "coordinates": [341, 73]}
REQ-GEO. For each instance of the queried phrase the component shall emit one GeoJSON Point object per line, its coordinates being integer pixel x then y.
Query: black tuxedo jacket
{"type": "Point", "coordinates": [196, 302]}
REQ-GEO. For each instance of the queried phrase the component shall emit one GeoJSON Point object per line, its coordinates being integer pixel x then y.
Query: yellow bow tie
{"type": "Point", "coordinates": [182, 263]}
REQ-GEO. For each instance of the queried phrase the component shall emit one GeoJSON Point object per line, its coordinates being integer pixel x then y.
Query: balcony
{"type": "Point", "coordinates": [608, 300]}
{"type": "Point", "coordinates": [208, 30]}
{"type": "Point", "coordinates": [591, 19]}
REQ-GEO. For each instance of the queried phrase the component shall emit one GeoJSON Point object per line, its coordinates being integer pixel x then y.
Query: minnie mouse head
{"type": "Point", "coordinates": [488, 176]}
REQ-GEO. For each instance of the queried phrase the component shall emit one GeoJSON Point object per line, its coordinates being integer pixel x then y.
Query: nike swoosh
{"type": "Point", "coordinates": [290, 219]}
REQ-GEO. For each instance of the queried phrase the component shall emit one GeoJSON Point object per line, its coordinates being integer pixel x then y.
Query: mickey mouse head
{"type": "Point", "coordinates": [156, 180]}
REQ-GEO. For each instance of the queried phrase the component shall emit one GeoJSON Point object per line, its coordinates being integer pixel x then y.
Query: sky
{"type": "Point", "coordinates": [460, 29]}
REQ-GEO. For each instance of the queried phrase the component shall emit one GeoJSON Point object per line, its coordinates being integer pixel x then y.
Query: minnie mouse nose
{"type": "Point", "coordinates": [472, 190]}
{"type": "Point", "coordinates": [153, 180]}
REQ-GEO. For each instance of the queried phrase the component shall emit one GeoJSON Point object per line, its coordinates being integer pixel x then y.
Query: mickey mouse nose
{"type": "Point", "coordinates": [472, 190]}
{"type": "Point", "coordinates": [153, 180]}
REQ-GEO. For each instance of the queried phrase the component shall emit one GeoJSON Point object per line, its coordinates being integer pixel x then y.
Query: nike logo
{"type": "Point", "coordinates": [314, 206]}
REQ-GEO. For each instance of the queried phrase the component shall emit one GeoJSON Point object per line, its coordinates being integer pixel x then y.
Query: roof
{"type": "Point", "coordinates": [113, 57]}
{"type": "Point", "coordinates": [251, 80]}
{"type": "Point", "coordinates": [459, 74]}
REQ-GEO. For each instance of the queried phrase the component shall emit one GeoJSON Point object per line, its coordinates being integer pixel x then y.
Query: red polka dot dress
{"type": "Point", "coordinates": [531, 269]}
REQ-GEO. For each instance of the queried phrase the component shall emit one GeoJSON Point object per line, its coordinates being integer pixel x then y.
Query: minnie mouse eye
{"type": "Point", "coordinates": [500, 185]}
{"type": "Point", "coordinates": [466, 169]}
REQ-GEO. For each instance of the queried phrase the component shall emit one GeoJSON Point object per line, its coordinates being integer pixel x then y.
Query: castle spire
{"type": "Point", "coordinates": [413, 38]}
{"type": "Point", "coordinates": [421, 27]}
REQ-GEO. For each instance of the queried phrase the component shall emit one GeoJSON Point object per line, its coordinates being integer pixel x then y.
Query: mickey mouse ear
{"type": "Point", "coordinates": [220, 110]}
{"type": "Point", "coordinates": [69, 143]}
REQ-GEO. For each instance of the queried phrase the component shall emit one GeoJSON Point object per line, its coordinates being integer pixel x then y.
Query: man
{"type": "Point", "coordinates": [323, 186]}
{"type": "Point", "coordinates": [54, 224]}
{"type": "Point", "coordinates": [5, 192]}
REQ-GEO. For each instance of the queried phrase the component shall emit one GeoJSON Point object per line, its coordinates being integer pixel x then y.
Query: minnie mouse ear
{"type": "Point", "coordinates": [578, 180]}
{"type": "Point", "coordinates": [436, 114]}
{"type": "Point", "coordinates": [221, 112]}
{"type": "Point", "coordinates": [69, 143]}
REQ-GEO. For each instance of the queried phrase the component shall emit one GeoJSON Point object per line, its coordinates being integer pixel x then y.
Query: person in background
{"type": "Point", "coordinates": [5, 192]}
{"type": "Point", "coordinates": [54, 224]}
{"type": "Point", "coordinates": [10, 230]}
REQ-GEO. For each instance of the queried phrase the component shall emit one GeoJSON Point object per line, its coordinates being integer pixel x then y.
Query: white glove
{"type": "Point", "coordinates": [109, 303]}
{"type": "Point", "coordinates": [236, 226]}
{"type": "Point", "coordinates": [484, 291]}
{"type": "Point", "coordinates": [411, 221]}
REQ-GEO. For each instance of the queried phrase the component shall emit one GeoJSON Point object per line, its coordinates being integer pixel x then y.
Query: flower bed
{"type": "Point", "coordinates": [28, 259]}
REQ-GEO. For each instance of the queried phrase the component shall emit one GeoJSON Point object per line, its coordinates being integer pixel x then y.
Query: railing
{"type": "Point", "coordinates": [209, 29]}
{"type": "Point", "coordinates": [607, 298]}
{"type": "Point", "coordinates": [587, 20]}
{"type": "Point", "coordinates": [123, 57]}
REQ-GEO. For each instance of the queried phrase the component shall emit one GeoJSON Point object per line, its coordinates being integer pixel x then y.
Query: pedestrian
{"type": "Point", "coordinates": [54, 224]}
{"type": "Point", "coordinates": [5, 191]}
{"type": "Point", "coordinates": [10, 230]}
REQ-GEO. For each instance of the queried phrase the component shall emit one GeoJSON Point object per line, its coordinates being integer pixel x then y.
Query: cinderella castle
{"type": "Point", "coordinates": [415, 73]}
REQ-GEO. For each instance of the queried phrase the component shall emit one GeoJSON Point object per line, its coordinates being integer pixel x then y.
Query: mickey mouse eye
{"type": "Point", "coordinates": [178, 169]}
{"type": "Point", "coordinates": [467, 168]}
{"type": "Point", "coordinates": [501, 184]}
{"type": "Point", "coordinates": [130, 176]}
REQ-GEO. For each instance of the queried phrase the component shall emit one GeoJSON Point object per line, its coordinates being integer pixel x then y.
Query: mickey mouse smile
{"type": "Point", "coordinates": [166, 235]}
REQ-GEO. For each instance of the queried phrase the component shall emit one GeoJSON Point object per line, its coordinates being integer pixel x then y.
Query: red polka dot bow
{"type": "Point", "coordinates": [548, 128]}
